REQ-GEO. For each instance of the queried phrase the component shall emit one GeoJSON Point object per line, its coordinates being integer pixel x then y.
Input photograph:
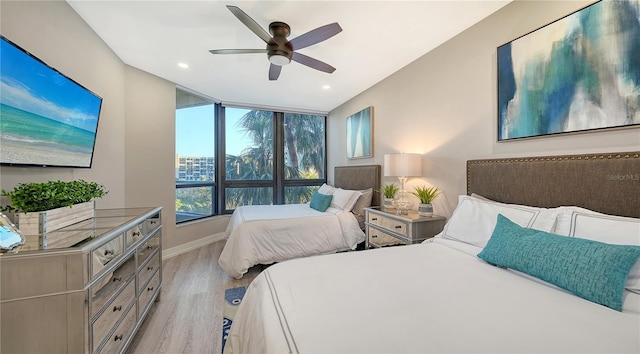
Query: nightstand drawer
{"type": "Point", "coordinates": [410, 228]}
{"type": "Point", "coordinates": [393, 225]}
{"type": "Point", "coordinates": [379, 238]}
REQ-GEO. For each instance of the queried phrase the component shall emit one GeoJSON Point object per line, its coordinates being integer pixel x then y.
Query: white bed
{"type": "Point", "coordinates": [420, 298]}
{"type": "Point", "coordinates": [266, 234]}
{"type": "Point", "coordinates": [440, 297]}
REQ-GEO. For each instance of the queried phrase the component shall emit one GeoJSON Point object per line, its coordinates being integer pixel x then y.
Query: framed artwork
{"type": "Point", "coordinates": [579, 73]}
{"type": "Point", "coordinates": [360, 134]}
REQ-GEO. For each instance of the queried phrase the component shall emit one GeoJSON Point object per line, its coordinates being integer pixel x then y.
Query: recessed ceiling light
{"type": "Point", "coordinates": [326, 87]}
{"type": "Point", "coordinates": [183, 65]}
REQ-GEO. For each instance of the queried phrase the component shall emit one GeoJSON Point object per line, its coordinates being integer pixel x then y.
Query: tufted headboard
{"type": "Point", "coordinates": [359, 177]}
{"type": "Point", "coordinates": [605, 182]}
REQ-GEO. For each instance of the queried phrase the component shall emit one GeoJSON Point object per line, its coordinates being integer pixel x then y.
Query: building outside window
{"type": "Point", "coordinates": [195, 157]}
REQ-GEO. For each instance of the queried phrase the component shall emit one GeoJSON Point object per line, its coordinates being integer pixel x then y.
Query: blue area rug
{"type": "Point", "coordinates": [232, 299]}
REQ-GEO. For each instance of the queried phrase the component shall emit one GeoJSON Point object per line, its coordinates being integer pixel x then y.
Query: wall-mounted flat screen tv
{"type": "Point", "coordinates": [46, 118]}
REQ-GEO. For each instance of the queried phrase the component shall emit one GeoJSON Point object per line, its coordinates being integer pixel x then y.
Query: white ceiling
{"type": "Point", "coordinates": [378, 38]}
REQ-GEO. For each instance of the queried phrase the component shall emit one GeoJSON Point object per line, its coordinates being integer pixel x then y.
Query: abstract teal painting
{"type": "Point", "coordinates": [360, 134]}
{"type": "Point", "coordinates": [579, 73]}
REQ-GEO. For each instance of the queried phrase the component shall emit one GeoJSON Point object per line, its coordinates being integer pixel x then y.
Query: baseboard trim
{"type": "Point", "coordinates": [190, 246]}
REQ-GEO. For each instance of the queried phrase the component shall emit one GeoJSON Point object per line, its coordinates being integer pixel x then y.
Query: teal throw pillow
{"type": "Point", "coordinates": [593, 270]}
{"type": "Point", "coordinates": [320, 201]}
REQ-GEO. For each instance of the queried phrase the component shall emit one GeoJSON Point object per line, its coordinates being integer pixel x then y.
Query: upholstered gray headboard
{"type": "Point", "coordinates": [359, 177]}
{"type": "Point", "coordinates": [608, 183]}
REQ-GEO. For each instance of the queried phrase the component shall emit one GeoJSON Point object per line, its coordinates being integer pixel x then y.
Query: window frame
{"type": "Point", "coordinates": [277, 184]}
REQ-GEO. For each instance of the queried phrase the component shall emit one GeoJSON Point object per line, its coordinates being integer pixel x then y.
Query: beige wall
{"type": "Point", "coordinates": [134, 154]}
{"type": "Point", "coordinates": [135, 146]}
{"type": "Point", "coordinates": [443, 105]}
{"type": "Point", "coordinates": [53, 32]}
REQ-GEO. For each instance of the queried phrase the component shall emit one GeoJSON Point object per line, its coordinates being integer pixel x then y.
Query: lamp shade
{"type": "Point", "coordinates": [402, 165]}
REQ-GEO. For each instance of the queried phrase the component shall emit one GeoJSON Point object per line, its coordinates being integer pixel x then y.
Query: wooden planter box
{"type": "Point", "coordinates": [37, 227]}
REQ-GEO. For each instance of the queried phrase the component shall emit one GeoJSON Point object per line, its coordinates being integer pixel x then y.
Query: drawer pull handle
{"type": "Point", "coordinates": [117, 337]}
{"type": "Point", "coordinates": [108, 252]}
{"type": "Point", "coordinates": [149, 247]}
{"type": "Point", "coordinates": [117, 278]}
{"type": "Point", "coordinates": [374, 219]}
{"type": "Point", "coordinates": [153, 222]}
{"type": "Point", "coordinates": [136, 233]}
{"type": "Point", "coordinates": [149, 268]}
{"type": "Point", "coordinates": [398, 226]}
{"type": "Point", "coordinates": [374, 236]}
{"type": "Point", "coordinates": [149, 289]}
{"type": "Point", "coordinates": [117, 308]}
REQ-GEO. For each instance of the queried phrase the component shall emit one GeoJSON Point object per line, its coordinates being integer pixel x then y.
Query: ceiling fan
{"type": "Point", "coordinates": [281, 51]}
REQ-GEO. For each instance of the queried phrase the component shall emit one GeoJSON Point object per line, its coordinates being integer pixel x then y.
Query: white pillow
{"type": "Point", "coordinates": [585, 223]}
{"type": "Point", "coordinates": [326, 189]}
{"type": "Point", "coordinates": [474, 219]}
{"type": "Point", "coordinates": [588, 224]}
{"type": "Point", "coordinates": [344, 199]}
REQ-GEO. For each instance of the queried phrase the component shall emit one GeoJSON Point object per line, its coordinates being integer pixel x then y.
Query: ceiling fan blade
{"type": "Point", "coordinates": [249, 22]}
{"type": "Point", "coordinates": [315, 36]}
{"type": "Point", "coordinates": [312, 63]}
{"type": "Point", "coordinates": [274, 72]}
{"type": "Point", "coordinates": [237, 51]}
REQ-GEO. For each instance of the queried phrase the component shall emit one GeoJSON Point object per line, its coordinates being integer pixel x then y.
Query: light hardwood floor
{"type": "Point", "coordinates": [188, 317]}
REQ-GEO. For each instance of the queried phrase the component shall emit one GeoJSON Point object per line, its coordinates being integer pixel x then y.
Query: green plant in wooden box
{"type": "Point", "coordinates": [426, 196]}
{"type": "Point", "coordinates": [30, 197]}
{"type": "Point", "coordinates": [41, 208]}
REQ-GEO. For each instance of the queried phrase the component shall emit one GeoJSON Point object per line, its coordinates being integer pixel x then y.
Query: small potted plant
{"type": "Point", "coordinates": [426, 196]}
{"type": "Point", "coordinates": [389, 192]}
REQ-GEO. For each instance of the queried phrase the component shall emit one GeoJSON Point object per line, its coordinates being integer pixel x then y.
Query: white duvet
{"type": "Point", "coordinates": [419, 299]}
{"type": "Point", "coordinates": [264, 234]}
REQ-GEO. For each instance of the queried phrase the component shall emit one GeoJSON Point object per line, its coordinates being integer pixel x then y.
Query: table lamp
{"type": "Point", "coordinates": [402, 165]}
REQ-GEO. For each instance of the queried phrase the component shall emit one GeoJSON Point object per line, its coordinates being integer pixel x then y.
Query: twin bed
{"type": "Point", "coordinates": [441, 296]}
{"type": "Point", "coordinates": [265, 234]}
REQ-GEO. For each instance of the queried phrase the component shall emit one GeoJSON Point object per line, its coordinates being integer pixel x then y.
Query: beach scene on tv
{"type": "Point", "coordinates": [45, 118]}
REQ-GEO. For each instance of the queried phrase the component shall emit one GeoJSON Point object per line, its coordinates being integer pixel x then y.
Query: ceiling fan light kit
{"type": "Point", "coordinates": [281, 51]}
{"type": "Point", "coordinates": [279, 59]}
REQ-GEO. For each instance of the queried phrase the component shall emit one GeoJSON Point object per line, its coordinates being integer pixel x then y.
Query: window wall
{"type": "Point", "coordinates": [259, 158]}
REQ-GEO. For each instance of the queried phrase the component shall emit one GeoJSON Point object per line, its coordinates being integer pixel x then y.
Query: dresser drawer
{"type": "Point", "coordinates": [134, 234]}
{"type": "Point", "coordinates": [147, 270]}
{"type": "Point", "coordinates": [107, 252]}
{"type": "Point", "coordinates": [391, 224]}
{"type": "Point", "coordinates": [112, 313]}
{"type": "Point", "coordinates": [147, 291]}
{"type": "Point", "coordinates": [381, 238]}
{"type": "Point", "coordinates": [152, 223]}
{"type": "Point", "coordinates": [148, 248]}
{"type": "Point", "coordinates": [120, 336]}
{"type": "Point", "coordinates": [106, 288]}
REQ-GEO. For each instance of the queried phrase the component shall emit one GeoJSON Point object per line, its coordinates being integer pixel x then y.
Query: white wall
{"type": "Point", "coordinates": [443, 105]}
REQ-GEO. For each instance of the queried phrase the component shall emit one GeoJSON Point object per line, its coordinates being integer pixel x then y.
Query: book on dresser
{"type": "Point", "coordinates": [88, 298]}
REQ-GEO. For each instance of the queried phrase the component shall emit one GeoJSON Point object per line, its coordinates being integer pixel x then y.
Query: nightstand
{"type": "Point", "coordinates": [386, 229]}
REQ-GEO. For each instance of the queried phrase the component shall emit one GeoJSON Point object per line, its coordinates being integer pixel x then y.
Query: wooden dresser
{"type": "Point", "coordinates": [88, 298]}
